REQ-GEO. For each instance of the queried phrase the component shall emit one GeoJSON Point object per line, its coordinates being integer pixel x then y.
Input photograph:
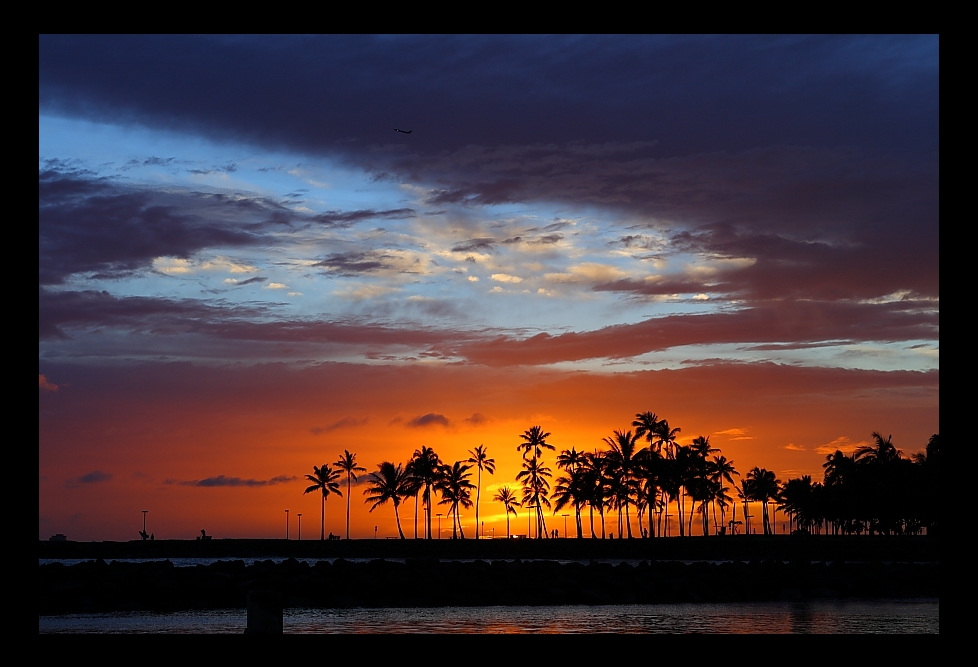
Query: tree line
{"type": "Point", "coordinates": [645, 472]}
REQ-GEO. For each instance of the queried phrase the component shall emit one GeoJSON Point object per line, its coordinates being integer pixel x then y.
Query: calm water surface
{"type": "Point", "coordinates": [809, 617]}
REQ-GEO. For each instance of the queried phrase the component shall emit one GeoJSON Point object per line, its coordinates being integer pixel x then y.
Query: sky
{"type": "Point", "coordinates": [244, 269]}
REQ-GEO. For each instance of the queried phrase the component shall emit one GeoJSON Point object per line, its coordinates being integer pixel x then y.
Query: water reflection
{"type": "Point", "coordinates": [808, 617]}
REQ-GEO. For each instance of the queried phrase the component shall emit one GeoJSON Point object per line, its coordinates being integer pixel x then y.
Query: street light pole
{"type": "Point", "coordinates": [300, 525]}
{"type": "Point", "coordinates": [144, 520]}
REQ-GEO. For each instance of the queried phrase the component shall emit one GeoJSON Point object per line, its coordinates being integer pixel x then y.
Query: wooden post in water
{"type": "Point", "coordinates": [264, 613]}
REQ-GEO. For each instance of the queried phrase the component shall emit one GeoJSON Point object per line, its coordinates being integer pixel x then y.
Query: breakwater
{"type": "Point", "coordinates": [100, 586]}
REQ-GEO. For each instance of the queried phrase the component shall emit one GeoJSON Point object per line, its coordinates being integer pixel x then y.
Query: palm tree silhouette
{"type": "Point", "coordinates": [665, 437]}
{"type": "Point", "coordinates": [647, 424]}
{"type": "Point", "coordinates": [454, 486]}
{"type": "Point", "coordinates": [717, 470]}
{"type": "Point", "coordinates": [535, 486]}
{"type": "Point", "coordinates": [597, 487]}
{"type": "Point", "coordinates": [763, 487]}
{"type": "Point", "coordinates": [572, 488]}
{"type": "Point", "coordinates": [389, 483]}
{"type": "Point", "coordinates": [622, 461]}
{"type": "Point", "coordinates": [480, 458]}
{"type": "Point", "coordinates": [507, 497]}
{"type": "Point", "coordinates": [425, 467]}
{"type": "Point", "coordinates": [348, 462]}
{"type": "Point", "coordinates": [536, 489]}
{"type": "Point", "coordinates": [324, 480]}
{"type": "Point", "coordinates": [881, 453]}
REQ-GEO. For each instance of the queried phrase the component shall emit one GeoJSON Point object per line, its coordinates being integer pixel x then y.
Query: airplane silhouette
{"type": "Point", "coordinates": [403, 131]}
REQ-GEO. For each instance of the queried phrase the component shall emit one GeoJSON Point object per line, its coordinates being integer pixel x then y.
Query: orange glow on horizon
{"type": "Point", "coordinates": [232, 461]}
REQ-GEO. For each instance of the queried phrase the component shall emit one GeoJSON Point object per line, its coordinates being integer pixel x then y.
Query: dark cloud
{"type": "Point", "coordinates": [430, 419]}
{"type": "Point", "coordinates": [805, 132]}
{"type": "Point", "coordinates": [91, 226]}
{"type": "Point", "coordinates": [95, 477]}
{"type": "Point", "coordinates": [251, 281]}
{"type": "Point", "coordinates": [346, 422]}
{"type": "Point", "coordinates": [222, 480]}
{"type": "Point", "coordinates": [776, 322]}
{"type": "Point", "coordinates": [475, 245]}
{"type": "Point", "coordinates": [349, 218]}
{"type": "Point", "coordinates": [679, 94]}
{"type": "Point", "coordinates": [148, 162]}
{"type": "Point", "coordinates": [355, 263]}
{"type": "Point", "coordinates": [66, 313]}
{"type": "Point", "coordinates": [477, 418]}
{"type": "Point", "coordinates": [809, 162]}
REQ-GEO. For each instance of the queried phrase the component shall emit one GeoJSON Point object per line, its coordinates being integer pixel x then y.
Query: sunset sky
{"type": "Point", "coordinates": [244, 270]}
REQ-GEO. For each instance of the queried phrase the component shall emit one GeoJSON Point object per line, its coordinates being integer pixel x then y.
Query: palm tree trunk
{"type": "Point", "coordinates": [398, 519]}
{"type": "Point", "coordinates": [322, 520]}
{"type": "Point", "coordinates": [682, 511]}
{"type": "Point", "coordinates": [478, 495]}
{"type": "Point", "coordinates": [348, 505]}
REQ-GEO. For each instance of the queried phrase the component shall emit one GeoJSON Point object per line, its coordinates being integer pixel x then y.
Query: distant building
{"type": "Point", "coordinates": [58, 538]}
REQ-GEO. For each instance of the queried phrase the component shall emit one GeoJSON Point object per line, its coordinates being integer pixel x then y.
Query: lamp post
{"type": "Point", "coordinates": [144, 520]}
{"type": "Point", "coordinates": [286, 524]}
{"type": "Point", "coordinates": [300, 525]}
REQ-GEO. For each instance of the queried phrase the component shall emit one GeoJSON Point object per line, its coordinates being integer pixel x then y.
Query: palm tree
{"type": "Point", "coordinates": [507, 497]}
{"type": "Point", "coordinates": [454, 485]}
{"type": "Point", "coordinates": [647, 424]}
{"type": "Point", "coordinates": [571, 489]}
{"type": "Point", "coordinates": [597, 487]}
{"type": "Point", "coordinates": [324, 480]}
{"type": "Point", "coordinates": [534, 486]}
{"type": "Point", "coordinates": [763, 487]}
{"type": "Point", "coordinates": [686, 468]}
{"type": "Point", "coordinates": [348, 462]}
{"type": "Point", "coordinates": [665, 437]}
{"type": "Point", "coordinates": [392, 483]}
{"type": "Point", "coordinates": [535, 490]}
{"type": "Point", "coordinates": [480, 458]}
{"type": "Point", "coordinates": [882, 453]}
{"type": "Point", "coordinates": [534, 442]}
{"type": "Point", "coordinates": [652, 472]}
{"type": "Point", "coordinates": [425, 467]}
{"type": "Point", "coordinates": [744, 494]}
{"type": "Point", "coordinates": [718, 470]}
{"type": "Point", "coordinates": [622, 460]}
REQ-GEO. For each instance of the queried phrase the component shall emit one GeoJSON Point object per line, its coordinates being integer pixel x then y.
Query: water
{"type": "Point", "coordinates": [806, 617]}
